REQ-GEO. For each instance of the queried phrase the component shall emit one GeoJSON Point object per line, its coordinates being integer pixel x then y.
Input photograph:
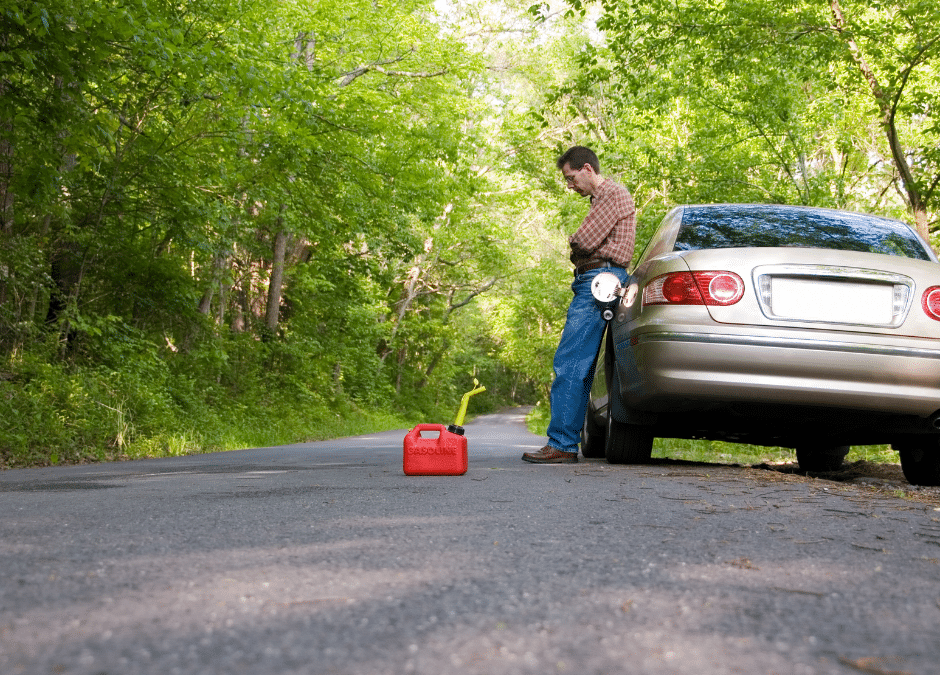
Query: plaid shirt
{"type": "Point", "coordinates": [609, 229]}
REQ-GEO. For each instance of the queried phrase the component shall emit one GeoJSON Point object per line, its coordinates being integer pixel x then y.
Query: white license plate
{"type": "Point", "coordinates": [833, 301]}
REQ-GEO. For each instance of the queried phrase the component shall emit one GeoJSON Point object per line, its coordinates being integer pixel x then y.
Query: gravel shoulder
{"type": "Point", "coordinates": [880, 479]}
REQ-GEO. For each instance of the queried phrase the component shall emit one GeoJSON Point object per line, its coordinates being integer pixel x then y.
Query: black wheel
{"type": "Point", "coordinates": [593, 436]}
{"type": "Point", "coordinates": [628, 443]}
{"type": "Point", "coordinates": [921, 463]}
{"type": "Point", "coordinates": [821, 458]}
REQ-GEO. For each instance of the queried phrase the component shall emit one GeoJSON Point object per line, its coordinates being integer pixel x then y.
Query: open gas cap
{"type": "Point", "coordinates": [605, 287]}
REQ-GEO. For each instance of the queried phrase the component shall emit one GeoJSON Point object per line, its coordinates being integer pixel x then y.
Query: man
{"type": "Point", "coordinates": [603, 243]}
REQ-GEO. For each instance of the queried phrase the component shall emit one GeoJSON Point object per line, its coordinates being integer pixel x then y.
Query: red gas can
{"type": "Point", "coordinates": [443, 454]}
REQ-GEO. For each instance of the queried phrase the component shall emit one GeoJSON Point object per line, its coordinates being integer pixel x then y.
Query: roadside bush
{"type": "Point", "coordinates": [138, 398]}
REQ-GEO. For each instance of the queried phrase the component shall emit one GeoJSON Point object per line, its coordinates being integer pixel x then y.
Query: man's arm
{"type": "Point", "coordinates": [609, 230]}
{"type": "Point", "coordinates": [605, 214]}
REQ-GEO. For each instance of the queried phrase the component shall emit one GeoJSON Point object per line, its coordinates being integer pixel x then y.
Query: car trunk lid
{"type": "Point", "coordinates": [827, 289]}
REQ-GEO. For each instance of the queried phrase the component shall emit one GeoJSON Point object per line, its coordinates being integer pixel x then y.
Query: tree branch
{"type": "Point", "coordinates": [377, 67]}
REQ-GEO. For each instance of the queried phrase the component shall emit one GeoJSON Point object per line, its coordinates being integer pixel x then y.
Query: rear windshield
{"type": "Point", "coordinates": [737, 226]}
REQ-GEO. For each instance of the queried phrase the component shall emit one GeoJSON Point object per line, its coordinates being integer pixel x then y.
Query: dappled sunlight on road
{"type": "Point", "coordinates": [318, 558]}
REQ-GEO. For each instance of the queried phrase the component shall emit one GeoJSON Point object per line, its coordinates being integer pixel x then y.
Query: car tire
{"type": "Point", "coordinates": [821, 458]}
{"type": "Point", "coordinates": [628, 443]}
{"type": "Point", "coordinates": [593, 437]}
{"type": "Point", "coordinates": [625, 443]}
{"type": "Point", "coordinates": [921, 463]}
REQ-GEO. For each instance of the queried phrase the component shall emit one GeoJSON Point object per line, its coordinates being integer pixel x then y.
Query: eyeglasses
{"type": "Point", "coordinates": [569, 179]}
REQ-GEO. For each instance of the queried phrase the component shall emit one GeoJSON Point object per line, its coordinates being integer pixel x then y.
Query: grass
{"type": "Point", "coordinates": [115, 438]}
{"type": "Point", "coordinates": [720, 452]}
{"type": "Point", "coordinates": [237, 437]}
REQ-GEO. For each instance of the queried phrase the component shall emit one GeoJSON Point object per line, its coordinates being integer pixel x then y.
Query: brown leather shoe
{"type": "Point", "coordinates": [550, 455]}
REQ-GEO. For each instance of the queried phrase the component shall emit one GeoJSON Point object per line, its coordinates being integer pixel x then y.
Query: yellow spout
{"type": "Point", "coordinates": [465, 400]}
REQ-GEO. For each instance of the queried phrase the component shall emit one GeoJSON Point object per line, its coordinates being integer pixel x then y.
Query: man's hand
{"type": "Point", "coordinates": [578, 252]}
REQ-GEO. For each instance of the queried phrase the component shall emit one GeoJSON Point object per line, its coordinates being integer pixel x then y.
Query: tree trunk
{"type": "Point", "coordinates": [275, 285]}
{"type": "Point", "coordinates": [205, 303]}
{"type": "Point", "coordinates": [6, 175]}
{"type": "Point", "coordinates": [6, 180]}
{"type": "Point", "coordinates": [6, 157]}
{"type": "Point", "coordinates": [435, 360]}
{"type": "Point", "coordinates": [66, 270]}
{"type": "Point", "coordinates": [240, 310]}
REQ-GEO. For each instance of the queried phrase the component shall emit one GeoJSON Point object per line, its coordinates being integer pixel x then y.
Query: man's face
{"type": "Point", "coordinates": [578, 179]}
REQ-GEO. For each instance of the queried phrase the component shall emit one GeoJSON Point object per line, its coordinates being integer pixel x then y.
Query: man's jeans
{"type": "Point", "coordinates": [575, 360]}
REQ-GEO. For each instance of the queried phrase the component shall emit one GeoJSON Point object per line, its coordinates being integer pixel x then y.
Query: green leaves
{"type": "Point", "coordinates": [777, 99]}
{"type": "Point", "coordinates": [160, 152]}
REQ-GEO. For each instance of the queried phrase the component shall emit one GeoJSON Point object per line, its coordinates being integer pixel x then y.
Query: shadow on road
{"type": "Point", "coordinates": [881, 479]}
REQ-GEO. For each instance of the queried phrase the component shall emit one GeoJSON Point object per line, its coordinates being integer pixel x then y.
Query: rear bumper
{"type": "Point", "coordinates": [682, 370]}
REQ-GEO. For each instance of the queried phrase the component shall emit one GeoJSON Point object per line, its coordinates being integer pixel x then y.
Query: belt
{"type": "Point", "coordinates": [591, 265]}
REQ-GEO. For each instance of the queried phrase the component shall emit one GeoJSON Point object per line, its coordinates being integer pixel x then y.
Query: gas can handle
{"type": "Point", "coordinates": [426, 426]}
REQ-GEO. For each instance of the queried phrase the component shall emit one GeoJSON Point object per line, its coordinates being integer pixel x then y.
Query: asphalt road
{"type": "Point", "coordinates": [326, 558]}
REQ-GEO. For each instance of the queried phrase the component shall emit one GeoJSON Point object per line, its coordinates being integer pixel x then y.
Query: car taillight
{"type": "Point", "coordinates": [694, 288]}
{"type": "Point", "coordinates": [930, 301]}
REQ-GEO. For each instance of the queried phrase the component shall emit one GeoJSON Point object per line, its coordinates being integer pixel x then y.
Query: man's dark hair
{"type": "Point", "coordinates": [577, 157]}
